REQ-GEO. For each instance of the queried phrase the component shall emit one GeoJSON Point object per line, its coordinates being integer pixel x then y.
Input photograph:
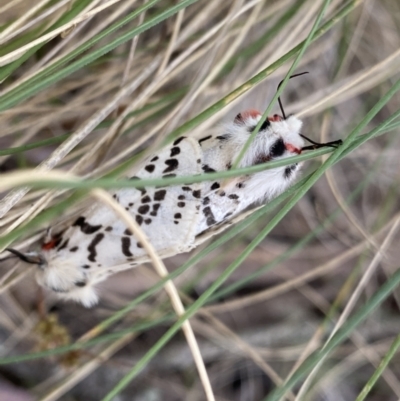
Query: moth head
{"type": "Point", "coordinates": [277, 138]}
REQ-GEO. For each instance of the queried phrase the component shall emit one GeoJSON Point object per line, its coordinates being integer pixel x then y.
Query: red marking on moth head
{"type": "Point", "coordinates": [241, 117]}
{"type": "Point", "coordinates": [49, 245]}
{"type": "Point", "coordinates": [275, 118]}
{"type": "Point", "coordinates": [292, 148]}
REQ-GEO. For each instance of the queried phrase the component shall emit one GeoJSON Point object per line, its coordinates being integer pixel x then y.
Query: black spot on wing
{"type": "Point", "coordinates": [80, 283]}
{"type": "Point", "coordinates": [86, 228]}
{"type": "Point", "coordinates": [172, 165]}
{"type": "Point", "coordinates": [92, 247]}
{"type": "Point", "coordinates": [139, 219]}
{"type": "Point", "coordinates": [208, 169]}
{"type": "Point", "coordinates": [150, 168]}
{"type": "Point", "coordinates": [175, 151]}
{"type": "Point", "coordinates": [209, 215]}
{"type": "Point", "coordinates": [204, 139]}
{"type": "Point", "coordinates": [223, 137]}
{"type": "Point", "coordinates": [181, 204]}
{"type": "Point", "coordinates": [74, 249]}
{"type": "Point", "coordinates": [156, 206]}
{"type": "Point", "coordinates": [197, 193]}
{"type": "Point", "coordinates": [160, 195]}
{"type": "Point", "coordinates": [146, 199]}
{"type": "Point", "coordinates": [154, 159]}
{"type": "Point", "coordinates": [126, 244]}
{"type": "Point", "coordinates": [143, 209]}
{"type": "Point", "coordinates": [214, 186]}
{"type": "Point", "coordinates": [179, 140]}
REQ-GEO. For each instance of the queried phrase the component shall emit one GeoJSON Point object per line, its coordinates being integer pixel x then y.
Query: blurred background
{"type": "Point", "coordinates": [88, 85]}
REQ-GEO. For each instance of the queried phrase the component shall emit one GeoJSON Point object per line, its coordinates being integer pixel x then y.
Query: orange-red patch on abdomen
{"type": "Point", "coordinates": [292, 148]}
{"type": "Point", "coordinates": [49, 245]}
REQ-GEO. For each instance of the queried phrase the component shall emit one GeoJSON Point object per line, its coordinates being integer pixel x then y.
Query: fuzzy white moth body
{"type": "Point", "coordinates": [98, 244]}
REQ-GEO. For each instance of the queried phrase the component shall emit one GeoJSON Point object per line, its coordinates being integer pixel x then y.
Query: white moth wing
{"type": "Point", "coordinates": [222, 198]}
{"type": "Point", "coordinates": [174, 210]}
{"type": "Point", "coordinates": [220, 228]}
{"type": "Point", "coordinates": [98, 240]}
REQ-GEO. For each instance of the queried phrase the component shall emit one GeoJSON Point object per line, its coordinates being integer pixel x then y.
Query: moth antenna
{"type": "Point", "coordinates": [279, 98]}
{"type": "Point", "coordinates": [316, 145]}
{"type": "Point", "coordinates": [32, 259]}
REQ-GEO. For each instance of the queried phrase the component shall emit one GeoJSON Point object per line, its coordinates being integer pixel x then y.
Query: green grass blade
{"type": "Point", "coordinates": [76, 8]}
{"type": "Point", "coordinates": [17, 95]}
{"type": "Point", "coordinates": [378, 372]}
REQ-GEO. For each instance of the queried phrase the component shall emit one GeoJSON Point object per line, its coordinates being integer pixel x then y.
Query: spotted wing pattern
{"type": "Point", "coordinates": [98, 239]}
